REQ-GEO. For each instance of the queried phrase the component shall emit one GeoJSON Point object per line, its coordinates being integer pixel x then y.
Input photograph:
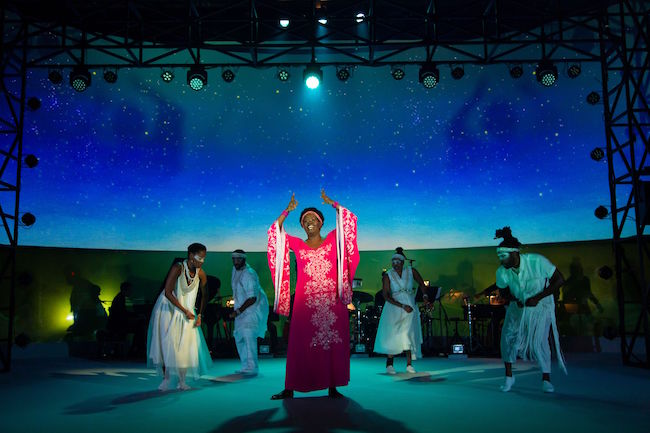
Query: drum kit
{"type": "Point", "coordinates": [480, 320]}
{"type": "Point", "coordinates": [362, 322]}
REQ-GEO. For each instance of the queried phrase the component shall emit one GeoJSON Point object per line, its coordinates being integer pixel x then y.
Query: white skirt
{"type": "Point", "coordinates": [174, 342]}
{"type": "Point", "coordinates": [398, 330]}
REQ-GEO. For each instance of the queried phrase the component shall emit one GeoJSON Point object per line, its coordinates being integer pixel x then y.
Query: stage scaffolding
{"type": "Point", "coordinates": [232, 34]}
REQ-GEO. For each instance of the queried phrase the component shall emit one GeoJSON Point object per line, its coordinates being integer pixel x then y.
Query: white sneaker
{"type": "Point", "coordinates": [164, 385]}
{"type": "Point", "coordinates": [183, 386]}
{"type": "Point", "coordinates": [390, 369]}
{"type": "Point", "coordinates": [547, 386]}
{"type": "Point", "coordinates": [510, 381]}
{"type": "Point", "coordinates": [410, 369]}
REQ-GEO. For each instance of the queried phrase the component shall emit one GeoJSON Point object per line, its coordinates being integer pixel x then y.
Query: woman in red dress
{"type": "Point", "coordinates": [318, 356]}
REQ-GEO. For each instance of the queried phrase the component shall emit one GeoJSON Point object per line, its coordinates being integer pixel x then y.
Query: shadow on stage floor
{"type": "Point", "coordinates": [314, 414]}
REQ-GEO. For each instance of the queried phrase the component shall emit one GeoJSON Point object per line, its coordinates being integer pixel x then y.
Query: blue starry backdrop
{"type": "Point", "coordinates": [147, 165]}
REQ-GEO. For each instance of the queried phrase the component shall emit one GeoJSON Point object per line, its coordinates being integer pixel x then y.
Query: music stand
{"type": "Point", "coordinates": [435, 295]}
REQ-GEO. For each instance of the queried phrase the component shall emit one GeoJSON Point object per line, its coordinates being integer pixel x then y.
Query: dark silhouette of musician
{"type": "Point", "coordinates": [122, 321]}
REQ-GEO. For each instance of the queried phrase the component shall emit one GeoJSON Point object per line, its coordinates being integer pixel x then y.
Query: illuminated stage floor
{"type": "Point", "coordinates": [462, 395]}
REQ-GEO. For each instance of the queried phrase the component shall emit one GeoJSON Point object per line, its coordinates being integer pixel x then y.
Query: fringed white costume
{"type": "Point", "coordinates": [525, 330]}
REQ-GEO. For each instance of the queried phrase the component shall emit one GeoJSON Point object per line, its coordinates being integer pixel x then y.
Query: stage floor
{"type": "Point", "coordinates": [446, 395]}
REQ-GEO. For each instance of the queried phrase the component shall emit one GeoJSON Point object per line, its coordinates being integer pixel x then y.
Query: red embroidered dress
{"type": "Point", "coordinates": [318, 355]}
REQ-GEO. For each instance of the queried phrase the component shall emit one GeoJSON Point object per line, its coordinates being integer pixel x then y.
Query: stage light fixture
{"type": "Point", "coordinates": [601, 212]}
{"type": "Point", "coordinates": [546, 73]}
{"type": "Point", "coordinates": [283, 74]}
{"type": "Point", "coordinates": [593, 98]}
{"type": "Point", "coordinates": [110, 76]}
{"type": "Point", "coordinates": [167, 75]}
{"type": "Point", "coordinates": [197, 78]}
{"type": "Point", "coordinates": [457, 72]}
{"type": "Point", "coordinates": [342, 73]}
{"type": "Point", "coordinates": [31, 161]}
{"type": "Point", "coordinates": [34, 103]}
{"type": "Point", "coordinates": [516, 71]}
{"type": "Point", "coordinates": [80, 78]}
{"type": "Point", "coordinates": [28, 219]}
{"type": "Point", "coordinates": [397, 72]}
{"type": "Point", "coordinates": [360, 17]}
{"type": "Point", "coordinates": [228, 75]}
{"type": "Point", "coordinates": [284, 23]}
{"type": "Point", "coordinates": [322, 20]}
{"type": "Point", "coordinates": [605, 272]}
{"type": "Point", "coordinates": [573, 71]}
{"type": "Point", "coordinates": [55, 76]}
{"type": "Point", "coordinates": [597, 154]}
{"type": "Point", "coordinates": [313, 75]}
{"type": "Point", "coordinates": [429, 76]}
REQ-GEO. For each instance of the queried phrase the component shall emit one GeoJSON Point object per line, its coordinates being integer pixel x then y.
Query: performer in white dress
{"type": "Point", "coordinates": [251, 311]}
{"type": "Point", "coordinates": [529, 281]}
{"type": "Point", "coordinates": [399, 325]}
{"type": "Point", "coordinates": [175, 343]}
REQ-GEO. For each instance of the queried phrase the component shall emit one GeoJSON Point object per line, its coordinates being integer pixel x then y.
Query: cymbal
{"type": "Point", "coordinates": [362, 297]}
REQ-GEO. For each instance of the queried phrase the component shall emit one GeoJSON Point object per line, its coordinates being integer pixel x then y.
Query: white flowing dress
{"type": "Point", "coordinates": [173, 341]}
{"type": "Point", "coordinates": [398, 330]}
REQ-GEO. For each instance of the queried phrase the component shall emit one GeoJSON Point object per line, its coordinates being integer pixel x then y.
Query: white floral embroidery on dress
{"type": "Point", "coordinates": [320, 292]}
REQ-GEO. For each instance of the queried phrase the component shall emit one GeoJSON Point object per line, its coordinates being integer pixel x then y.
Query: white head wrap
{"type": "Point", "coordinates": [507, 250]}
{"type": "Point", "coordinates": [398, 257]}
{"type": "Point", "coordinates": [238, 255]}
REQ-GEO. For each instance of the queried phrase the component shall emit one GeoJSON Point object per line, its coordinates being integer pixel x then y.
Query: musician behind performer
{"type": "Point", "coordinates": [399, 326]}
{"type": "Point", "coordinates": [531, 280]}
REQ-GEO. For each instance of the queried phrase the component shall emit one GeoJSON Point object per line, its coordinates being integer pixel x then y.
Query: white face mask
{"type": "Point", "coordinates": [503, 256]}
{"type": "Point", "coordinates": [199, 258]}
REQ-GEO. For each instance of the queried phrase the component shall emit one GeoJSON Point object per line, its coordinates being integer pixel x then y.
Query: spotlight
{"type": "Point", "coordinates": [360, 17]}
{"type": "Point", "coordinates": [34, 103]}
{"type": "Point", "coordinates": [457, 73]}
{"type": "Point", "coordinates": [546, 73]}
{"type": "Point", "coordinates": [228, 75]}
{"type": "Point", "coordinates": [283, 74]}
{"type": "Point", "coordinates": [574, 70]}
{"type": "Point", "coordinates": [31, 161]}
{"type": "Point", "coordinates": [597, 154]}
{"type": "Point", "coordinates": [110, 76]}
{"type": "Point", "coordinates": [167, 76]}
{"type": "Point", "coordinates": [429, 76]}
{"type": "Point", "coordinates": [80, 78]}
{"type": "Point", "coordinates": [197, 78]}
{"type": "Point", "coordinates": [312, 76]}
{"type": "Point", "coordinates": [516, 71]}
{"type": "Point", "coordinates": [55, 76]}
{"type": "Point", "coordinates": [601, 212]}
{"type": "Point", "coordinates": [28, 219]}
{"type": "Point", "coordinates": [323, 21]}
{"type": "Point", "coordinates": [593, 98]}
{"type": "Point", "coordinates": [397, 72]}
{"type": "Point", "coordinates": [343, 73]}
{"type": "Point", "coordinates": [284, 23]}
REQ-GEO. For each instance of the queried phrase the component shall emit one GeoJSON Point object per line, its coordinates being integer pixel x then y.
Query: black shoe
{"type": "Point", "coordinates": [333, 393]}
{"type": "Point", "coordinates": [286, 393]}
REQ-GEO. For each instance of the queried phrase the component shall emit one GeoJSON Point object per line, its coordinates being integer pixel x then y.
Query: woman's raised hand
{"type": "Point", "coordinates": [293, 203]}
{"type": "Point", "coordinates": [326, 199]}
